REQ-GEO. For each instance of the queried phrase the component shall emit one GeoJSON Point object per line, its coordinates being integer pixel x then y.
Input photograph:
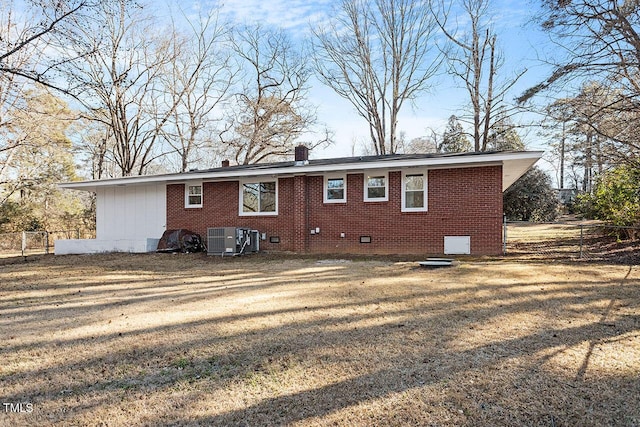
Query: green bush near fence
{"type": "Point", "coordinates": [616, 198]}
{"type": "Point", "coordinates": [531, 198]}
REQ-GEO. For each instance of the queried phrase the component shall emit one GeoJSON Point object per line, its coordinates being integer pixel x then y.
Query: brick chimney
{"type": "Point", "coordinates": [225, 163]}
{"type": "Point", "coordinates": [301, 155]}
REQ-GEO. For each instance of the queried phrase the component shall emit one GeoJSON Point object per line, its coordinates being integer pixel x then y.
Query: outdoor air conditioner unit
{"type": "Point", "coordinates": [232, 241]}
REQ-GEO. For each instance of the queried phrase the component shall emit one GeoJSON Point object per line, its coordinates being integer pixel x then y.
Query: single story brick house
{"type": "Point", "coordinates": [392, 204]}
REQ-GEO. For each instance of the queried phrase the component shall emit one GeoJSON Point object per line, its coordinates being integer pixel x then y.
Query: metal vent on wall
{"type": "Point", "coordinates": [457, 245]}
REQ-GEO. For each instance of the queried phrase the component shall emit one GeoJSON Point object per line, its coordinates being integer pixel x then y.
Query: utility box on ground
{"type": "Point", "coordinates": [232, 241]}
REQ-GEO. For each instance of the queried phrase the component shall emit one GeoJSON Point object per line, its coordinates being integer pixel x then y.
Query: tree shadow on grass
{"type": "Point", "coordinates": [384, 382]}
{"type": "Point", "coordinates": [408, 343]}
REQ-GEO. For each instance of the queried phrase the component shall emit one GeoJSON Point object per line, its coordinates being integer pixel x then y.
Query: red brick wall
{"type": "Point", "coordinates": [461, 202]}
{"type": "Point", "coordinates": [220, 209]}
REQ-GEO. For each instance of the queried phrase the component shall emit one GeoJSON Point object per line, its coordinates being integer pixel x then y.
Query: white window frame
{"type": "Point", "coordinates": [343, 177]}
{"type": "Point", "coordinates": [186, 194]}
{"type": "Point", "coordinates": [242, 182]}
{"type": "Point", "coordinates": [374, 173]}
{"type": "Point", "coordinates": [425, 189]}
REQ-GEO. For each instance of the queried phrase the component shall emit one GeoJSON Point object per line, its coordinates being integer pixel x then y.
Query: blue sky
{"type": "Point", "coordinates": [522, 43]}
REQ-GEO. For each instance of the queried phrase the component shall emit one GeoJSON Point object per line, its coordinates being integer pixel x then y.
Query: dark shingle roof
{"type": "Point", "coordinates": [514, 163]}
{"type": "Point", "coordinates": [338, 161]}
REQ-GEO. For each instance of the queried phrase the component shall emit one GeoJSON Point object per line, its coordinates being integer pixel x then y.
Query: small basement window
{"type": "Point", "coordinates": [375, 187]}
{"type": "Point", "coordinates": [335, 189]}
{"type": "Point", "coordinates": [193, 195]}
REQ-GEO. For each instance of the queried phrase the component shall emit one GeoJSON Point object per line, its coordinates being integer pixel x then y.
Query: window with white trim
{"type": "Point", "coordinates": [193, 195]}
{"type": "Point", "coordinates": [414, 191]}
{"type": "Point", "coordinates": [335, 188]}
{"type": "Point", "coordinates": [259, 197]}
{"type": "Point", "coordinates": [376, 187]}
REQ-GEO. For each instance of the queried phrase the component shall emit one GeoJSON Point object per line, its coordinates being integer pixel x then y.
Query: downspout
{"type": "Point", "coordinates": [307, 213]}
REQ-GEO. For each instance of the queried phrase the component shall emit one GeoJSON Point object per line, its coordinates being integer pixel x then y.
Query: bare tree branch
{"type": "Point", "coordinates": [271, 112]}
{"type": "Point", "coordinates": [601, 60]}
{"type": "Point", "coordinates": [378, 54]}
{"type": "Point", "coordinates": [474, 58]}
{"type": "Point", "coordinates": [198, 81]}
{"type": "Point", "coordinates": [40, 34]}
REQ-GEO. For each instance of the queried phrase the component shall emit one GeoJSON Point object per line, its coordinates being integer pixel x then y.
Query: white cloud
{"type": "Point", "coordinates": [293, 15]}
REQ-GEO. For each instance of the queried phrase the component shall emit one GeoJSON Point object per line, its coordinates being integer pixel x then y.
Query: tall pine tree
{"type": "Point", "coordinates": [454, 140]}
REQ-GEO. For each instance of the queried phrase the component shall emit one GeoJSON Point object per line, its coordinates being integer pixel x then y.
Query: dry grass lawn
{"type": "Point", "coordinates": [128, 340]}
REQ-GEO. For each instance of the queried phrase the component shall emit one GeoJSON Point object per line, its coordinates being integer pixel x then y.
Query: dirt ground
{"type": "Point", "coordinates": [161, 339]}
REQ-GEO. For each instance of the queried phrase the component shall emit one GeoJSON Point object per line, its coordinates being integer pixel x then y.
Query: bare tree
{"type": "Point", "coordinates": [94, 148]}
{"type": "Point", "coordinates": [584, 124]}
{"type": "Point", "coordinates": [12, 86]}
{"type": "Point", "coordinates": [119, 83]}
{"type": "Point", "coordinates": [598, 40]}
{"type": "Point", "coordinates": [36, 34]}
{"type": "Point", "coordinates": [474, 59]}
{"type": "Point", "coordinates": [378, 54]}
{"type": "Point", "coordinates": [43, 154]}
{"type": "Point", "coordinates": [198, 80]}
{"type": "Point", "coordinates": [422, 144]}
{"type": "Point", "coordinates": [270, 114]}
{"type": "Point", "coordinates": [21, 46]}
{"type": "Point", "coordinates": [154, 91]}
{"type": "Point", "coordinates": [554, 127]}
{"type": "Point", "coordinates": [594, 38]}
{"type": "Point", "coordinates": [30, 57]}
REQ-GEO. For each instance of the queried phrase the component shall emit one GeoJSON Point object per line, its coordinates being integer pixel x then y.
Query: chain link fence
{"type": "Point", "coordinates": [26, 243]}
{"type": "Point", "coordinates": [588, 241]}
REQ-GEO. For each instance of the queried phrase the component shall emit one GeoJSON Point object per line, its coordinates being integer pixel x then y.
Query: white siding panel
{"type": "Point", "coordinates": [100, 212]}
{"type": "Point", "coordinates": [124, 206]}
{"type": "Point", "coordinates": [108, 212]}
{"type": "Point", "coordinates": [142, 212]}
{"type": "Point", "coordinates": [115, 201]}
{"type": "Point", "coordinates": [161, 209]}
{"type": "Point", "coordinates": [131, 213]}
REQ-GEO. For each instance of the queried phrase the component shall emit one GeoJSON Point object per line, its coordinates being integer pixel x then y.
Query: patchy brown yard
{"type": "Point", "coordinates": [125, 340]}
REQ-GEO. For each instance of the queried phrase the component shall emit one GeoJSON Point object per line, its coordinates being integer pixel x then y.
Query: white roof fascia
{"type": "Point", "coordinates": [521, 161]}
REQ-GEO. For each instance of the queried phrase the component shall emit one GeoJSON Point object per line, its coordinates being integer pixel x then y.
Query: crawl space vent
{"type": "Point", "coordinates": [457, 245]}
